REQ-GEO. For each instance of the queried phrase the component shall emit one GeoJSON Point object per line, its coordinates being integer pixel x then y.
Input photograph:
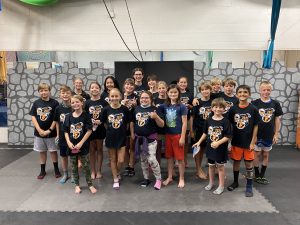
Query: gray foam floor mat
{"type": "Point", "coordinates": [21, 191]}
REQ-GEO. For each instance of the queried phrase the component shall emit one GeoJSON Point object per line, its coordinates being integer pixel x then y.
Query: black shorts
{"type": "Point", "coordinates": [63, 151]}
{"type": "Point", "coordinates": [98, 134]}
{"type": "Point", "coordinates": [213, 162]}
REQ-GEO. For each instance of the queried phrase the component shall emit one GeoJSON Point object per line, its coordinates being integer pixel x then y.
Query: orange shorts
{"type": "Point", "coordinates": [238, 153]}
{"type": "Point", "coordinates": [173, 150]}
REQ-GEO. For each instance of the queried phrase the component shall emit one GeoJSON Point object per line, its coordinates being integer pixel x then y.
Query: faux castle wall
{"type": "Point", "coordinates": [22, 92]}
{"type": "Point", "coordinates": [23, 83]}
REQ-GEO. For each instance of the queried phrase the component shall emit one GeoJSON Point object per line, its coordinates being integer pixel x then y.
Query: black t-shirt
{"type": "Point", "coordinates": [105, 96]}
{"type": "Point", "coordinates": [77, 127]}
{"type": "Point", "coordinates": [116, 121]}
{"type": "Point", "coordinates": [216, 95]}
{"type": "Point", "coordinates": [94, 109]}
{"type": "Point", "coordinates": [132, 97]}
{"type": "Point", "coordinates": [60, 114]}
{"type": "Point", "coordinates": [201, 113]}
{"type": "Point", "coordinates": [83, 94]}
{"type": "Point", "coordinates": [155, 95]}
{"type": "Point", "coordinates": [138, 89]}
{"type": "Point", "coordinates": [243, 120]}
{"type": "Point", "coordinates": [186, 98]}
{"type": "Point", "coordinates": [230, 101]}
{"type": "Point", "coordinates": [158, 101]}
{"type": "Point", "coordinates": [215, 131]}
{"type": "Point", "coordinates": [143, 124]}
{"type": "Point", "coordinates": [267, 111]}
{"type": "Point", "coordinates": [43, 111]}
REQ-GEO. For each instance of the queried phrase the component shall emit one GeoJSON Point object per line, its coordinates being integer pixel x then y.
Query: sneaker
{"type": "Point", "coordinates": [116, 185]}
{"type": "Point", "coordinates": [126, 171]}
{"type": "Point", "coordinates": [57, 174]}
{"type": "Point", "coordinates": [145, 183]}
{"type": "Point", "coordinates": [64, 179]}
{"type": "Point", "coordinates": [208, 187]}
{"type": "Point", "coordinates": [131, 172]}
{"type": "Point", "coordinates": [264, 180]}
{"type": "Point", "coordinates": [257, 180]}
{"type": "Point", "coordinates": [41, 175]}
{"type": "Point", "coordinates": [218, 191]}
{"type": "Point", "coordinates": [157, 185]}
{"type": "Point", "coordinates": [249, 194]}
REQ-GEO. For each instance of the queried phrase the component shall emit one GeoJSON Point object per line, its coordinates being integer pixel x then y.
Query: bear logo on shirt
{"type": "Point", "coordinates": [76, 130]}
{"type": "Point", "coordinates": [266, 114]}
{"type": "Point", "coordinates": [115, 120]}
{"type": "Point", "coordinates": [241, 120]}
{"type": "Point", "coordinates": [215, 133]}
{"type": "Point", "coordinates": [62, 117]}
{"type": "Point", "coordinates": [184, 100]}
{"type": "Point", "coordinates": [228, 106]}
{"type": "Point", "coordinates": [205, 112]}
{"type": "Point", "coordinates": [43, 113]}
{"type": "Point", "coordinates": [95, 111]}
{"type": "Point", "coordinates": [142, 118]}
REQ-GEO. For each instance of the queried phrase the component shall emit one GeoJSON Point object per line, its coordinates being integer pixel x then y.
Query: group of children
{"type": "Point", "coordinates": [139, 122]}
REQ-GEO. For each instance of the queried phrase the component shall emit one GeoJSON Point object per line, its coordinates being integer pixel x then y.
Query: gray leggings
{"type": "Point", "coordinates": [151, 160]}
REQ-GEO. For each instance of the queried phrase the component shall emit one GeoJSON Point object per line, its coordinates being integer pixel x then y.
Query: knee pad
{"type": "Point", "coordinates": [249, 173]}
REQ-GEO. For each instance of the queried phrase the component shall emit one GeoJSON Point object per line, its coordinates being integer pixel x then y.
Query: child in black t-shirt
{"type": "Point", "coordinates": [109, 83]}
{"type": "Point", "coordinates": [217, 131]}
{"type": "Point", "coordinates": [268, 128]}
{"type": "Point", "coordinates": [78, 88]}
{"type": "Point", "coordinates": [130, 100]}
{"type": "Point", "coordinates": [144, 132]}
{"type": "Point", "coordinates": [200, 113]}
{"type": "Point", "coordinates": [138, 75]}
{"type": "Point", "coordinates": [216, 84]}
{"type": "Point", "coordinates": [161, 139]}
{"type": "Point", "coordinates": [186, 98]}
{"type": "Point", "coordinates": [42, 114]}
{"type": "Point", "coordinates": [152, 85]}
{"type": "Point", "coordinates": [61, 112]}
{"type": "Point", "coordinates": [244, 118]}
{"type": "Point", "coordinates": [228, 94]}
{"type": "Point", "coordinates": [116, 118]}
{"type": "Point", "coordinates": [94, 107]}
{"type": "Point", "coordinates": [77, 129]}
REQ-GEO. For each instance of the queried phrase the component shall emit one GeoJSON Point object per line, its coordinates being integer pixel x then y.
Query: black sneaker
{"type": "Point", "coordinates": [126, 171]}
{"type": "Point", "coordinates": [145, 183]}
{"type": "Point", "coordinates": [131, 172]}
{"type": "Point", "coordinates": [264, 181]}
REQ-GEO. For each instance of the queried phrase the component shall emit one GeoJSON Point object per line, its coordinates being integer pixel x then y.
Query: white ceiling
{"type": "Point", "coordinates": [83, 25]}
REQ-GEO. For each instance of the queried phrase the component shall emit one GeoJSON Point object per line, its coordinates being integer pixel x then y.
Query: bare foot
{"type": "Point", "coordinates": [77, 190]}
{"type": "Point", "coordinates": [181, 183]}
{"type": "Point", "coordinates": [167, 181]}
{"type": "Point", "coordinates": [93, 190]}
{"type": "Point", "coordinates": [93, 176]}
{"type": "Point", "coordinates": [99, 175]}
{"type": "Point", "coordinates": [201, 174]}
